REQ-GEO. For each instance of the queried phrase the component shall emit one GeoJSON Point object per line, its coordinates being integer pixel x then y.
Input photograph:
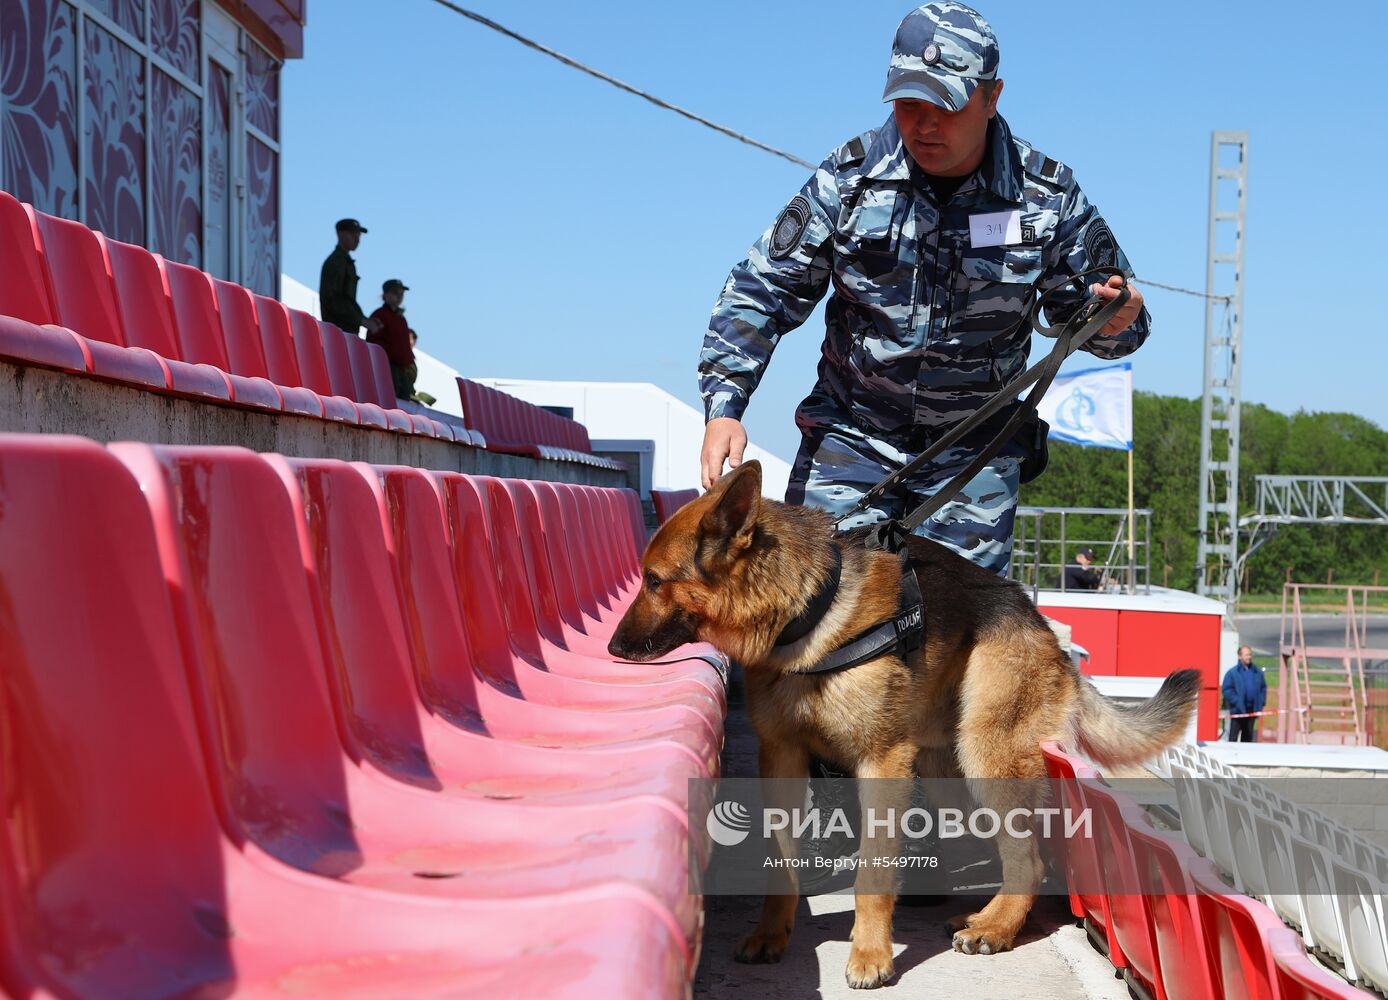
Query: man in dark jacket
{"type": "Point", "coordinates": [337, 283]}
{"type": "Point", "coordinates": [1079, 576]}
{"type": "Point", "coordinates": [1245, 691]}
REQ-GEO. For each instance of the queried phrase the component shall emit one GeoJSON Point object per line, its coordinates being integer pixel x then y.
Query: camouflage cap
{"type": "Point", "coordinates": [940, 53]}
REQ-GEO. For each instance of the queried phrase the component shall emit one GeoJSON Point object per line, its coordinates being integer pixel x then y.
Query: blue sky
{"type": "Point", "coordinates": [550, 226]}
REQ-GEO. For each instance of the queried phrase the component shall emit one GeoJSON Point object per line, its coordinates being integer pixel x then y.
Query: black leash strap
{"type": "Point", "coordinates": [1088, 320]}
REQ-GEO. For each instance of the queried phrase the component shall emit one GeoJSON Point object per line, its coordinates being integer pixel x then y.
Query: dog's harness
{"type": "Point", "coordinates": [906, 631]}
{"type": "Point", "coordinates": [901, 634]}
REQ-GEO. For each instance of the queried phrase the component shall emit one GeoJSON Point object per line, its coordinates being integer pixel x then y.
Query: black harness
{"type": "Point", "coordinates": [901, 634]}
{"type": "Point", "coordinates": [906, 631]}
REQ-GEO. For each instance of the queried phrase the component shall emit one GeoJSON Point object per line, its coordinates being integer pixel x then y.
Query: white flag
{"type": "Point", "coordinates": [1092, 407]}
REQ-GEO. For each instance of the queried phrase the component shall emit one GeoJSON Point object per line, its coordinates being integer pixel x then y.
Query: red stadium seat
{"type": "Point", "coordinates": [380, 372]}
{"type": "Point", "coordinates": [313, 368]}
{"type": "Point", "coordinates": [241, 333]}
{"type": "Point", "coordinates": [1235, 929]}
{"type": "Point", "coordinates": [1080, 854]}
{"type": "Point", "coordinates": [339, 363]}
{"type": "Point", "coordinates": [359, 357]}
{"type": "Point", "coordinates": [511, 666]}
{"type": "Point", "coordinates": [692, 680]}
{"type": "Point", "coordinates": [83, 302]}
{"type": "Point", "coordinates": [669, 501]}
{"type": "Point", "coordinates": [269, 701]}
{"type": "Point", "coordinates": [460, 679]}
{"type": "Point", "coordinates": [116, 880]}
{"type": "Point", "coordinates": [25, 310]}
{"type": "Point", "coordinates": [147, 320]}
{"type": "Point", "coordinates": [516, 427]}
{"type": "Point", "coordinates": [200, 334]}
{"type": "Point", "coordinates": [1299, 978]}
{"type": "Point", "coordinates": [1113, 814]}
{"type": "Point", "coordinates": [1163, 865]}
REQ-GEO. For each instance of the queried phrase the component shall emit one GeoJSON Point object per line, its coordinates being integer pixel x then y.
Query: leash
{"type": "Point", "coordinates": [1087, 321]}
{"type": "Point", "coordinates": [905, 632]}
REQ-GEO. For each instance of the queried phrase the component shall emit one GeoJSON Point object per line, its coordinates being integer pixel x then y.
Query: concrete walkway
{"type": "Point", "coordinates": [1052, 958]}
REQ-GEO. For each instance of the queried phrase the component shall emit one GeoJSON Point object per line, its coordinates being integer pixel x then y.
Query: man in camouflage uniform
{"type": "Point", "coordinates": [337, 282]}
{"type": "Point", "coordinates": [933, 231]}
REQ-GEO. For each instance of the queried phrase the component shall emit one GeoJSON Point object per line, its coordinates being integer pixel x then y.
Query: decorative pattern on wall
{"type": "Point", "coordinates": [174, 34]}
{"type": "Point", "coordinates": [262, 264]}
{"type": "Point", "coordinates": [128, 14]}
{"type": "Point", "coordinates": [262, 75]}
{"type": "Point", "coordinates": [175, 186]}
{"type": "Point", "coordinates": [38, 140]}
{"type": "Point", "coordinates": [114, 102]}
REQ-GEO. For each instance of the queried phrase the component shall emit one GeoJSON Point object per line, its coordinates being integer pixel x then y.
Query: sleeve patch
{"type": "Point", "coordinates": [1099, 247]}
{"type": "Point", "coordinates": [789, 228]}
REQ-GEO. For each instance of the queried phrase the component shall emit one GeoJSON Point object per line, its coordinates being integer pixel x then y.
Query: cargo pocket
{"type": "Point", "coordinates": [870, 242]}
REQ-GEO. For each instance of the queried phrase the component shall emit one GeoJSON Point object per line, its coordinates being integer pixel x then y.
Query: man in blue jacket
{"type": "Point", "coordinates": [1245, 690]}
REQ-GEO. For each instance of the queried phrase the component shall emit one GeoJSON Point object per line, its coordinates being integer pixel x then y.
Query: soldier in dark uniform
{"type": "Point", "coordinates": [933, 231]}
{"type": "Point", "coordinates": [394, 336]}
{"type": "Point", "coordinates": [337, 284]}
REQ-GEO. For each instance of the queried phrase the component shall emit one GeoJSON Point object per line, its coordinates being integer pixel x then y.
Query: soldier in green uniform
{"type": "Point", "coordinates": [337, 284]}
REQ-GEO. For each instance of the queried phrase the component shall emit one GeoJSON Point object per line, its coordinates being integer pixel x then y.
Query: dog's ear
{"type": "Point", "coordinates": [736, 501]}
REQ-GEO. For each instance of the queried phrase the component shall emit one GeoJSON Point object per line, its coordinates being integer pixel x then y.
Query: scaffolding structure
{"type": "Point", "coordinates": [1217, 555]}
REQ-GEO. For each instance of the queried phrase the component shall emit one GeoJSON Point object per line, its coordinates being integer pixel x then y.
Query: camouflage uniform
{"type": "Point", "coordinates": [926, 319]}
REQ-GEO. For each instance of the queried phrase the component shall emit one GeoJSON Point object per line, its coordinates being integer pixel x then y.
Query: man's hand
{"type": "Point", "coordinates": [1128, 313]}
{"type": "Point", "coordinates": [724, 439]}
{"type": "Point", "coordinates": [373, 325]}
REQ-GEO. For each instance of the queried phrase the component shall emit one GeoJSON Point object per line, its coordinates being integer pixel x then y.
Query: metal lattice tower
{"type": "Point", "coordinates": [1217, 557]}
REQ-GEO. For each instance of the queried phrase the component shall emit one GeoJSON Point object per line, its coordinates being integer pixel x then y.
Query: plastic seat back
{"type": "Point", "coordinates": [443, 654]}
{"type": "Point", "coordinates": [308, 350]}
{"type": "Point", "coordinates": [341, 528]}
{"type": "Point", "coordinates": [1235, 929]}
{"type": "Point", "coordinates": [339, 363]}
{"type": "Point", "coordinates": [484, 617]}
{"type": "Point", "coordinates": [1298, 978]}
{"type": "Point", "coordinates": [513, 584]}
{"type": "Point", "coordinates": [1357, 894]}
{"type": "Point", "coordinates": [1186, 784]}
{"type": "Point", "coordinates": [276, 341]}
{"type": "Point", "coordinates": [111, 881]}
{"type": "Point", "coordinates": [1113, 813]}
{"type": "Point", "coordinates": [230, 549]}
{"type": "Point", "coordinates": [1316, 877]}
{"type": "Point", "coordinates": [380, 373]}
{"type": "Point", "coordinates": [1243, 840]}
{"type": "Point", "coordinates": [1162, 868]}
{"type": "Point", "coordinates": [23, 285]}
{"type": "Point", "coordinates": [1274, 839]}
{"type": "Point", "coordinates": [1081, 854]}
{"type": "Point", "coordinates": [240, 330]}
{"type": "Point", "coordinates": [195, 315]}
{"type": "Point", "coordinates": [145, 313]}
{"type": "Point", "coordinates": [575, 597]}
{"type": "Point", "coordinates": [83, 300]}
{"type": "Point", "coordinates": [514, 513]}
{"type": "Point", "coordinates": [359, 356]}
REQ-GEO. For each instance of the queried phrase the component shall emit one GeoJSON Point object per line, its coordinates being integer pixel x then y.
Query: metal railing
{"type": "Point", "coordinates": [1044, 541]}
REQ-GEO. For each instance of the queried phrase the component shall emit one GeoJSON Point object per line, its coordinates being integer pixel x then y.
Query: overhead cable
{"type": "Point", "coordinates": [487, 22]}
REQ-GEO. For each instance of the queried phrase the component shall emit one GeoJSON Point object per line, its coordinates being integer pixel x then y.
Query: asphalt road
{"type": "Point", "coordinates": [1261, 631]}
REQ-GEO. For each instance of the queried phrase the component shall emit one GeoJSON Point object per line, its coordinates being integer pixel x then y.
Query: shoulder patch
{"type": "Point", "coordinates": [789, 228]}
{"type": "Point", "coordinates": [1038, 164]}
{"type": "Point", "coordinates": [856, 150]}
{"type": "Point", "coordinates": [1099, 246]}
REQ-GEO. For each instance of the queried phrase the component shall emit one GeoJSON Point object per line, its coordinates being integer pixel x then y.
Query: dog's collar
{"type": "Point", "coordinates": [803, 623]}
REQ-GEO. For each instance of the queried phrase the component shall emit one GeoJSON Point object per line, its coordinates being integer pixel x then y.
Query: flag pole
{"type": "Point", "coordinates": [1132, 526]}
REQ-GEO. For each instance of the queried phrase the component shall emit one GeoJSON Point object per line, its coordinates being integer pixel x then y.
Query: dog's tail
{"type": "Point", "coordinates": [1129, 734]}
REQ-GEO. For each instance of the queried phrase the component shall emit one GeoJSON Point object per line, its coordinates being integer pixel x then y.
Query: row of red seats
{"type": "Point", "coordinates": [669, 501]}
{"type": "Point", "coordinates": [1167, 919]}
{"type": "Point", "coordinates": [515, 427]}
{"type": "Point", "coordinates": [74, 300]}
{"type": "Point", "coordinates": [311, 727]}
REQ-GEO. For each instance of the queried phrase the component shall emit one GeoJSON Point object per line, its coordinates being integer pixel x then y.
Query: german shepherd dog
{"type": "Point", "coordinates": [989, 684]}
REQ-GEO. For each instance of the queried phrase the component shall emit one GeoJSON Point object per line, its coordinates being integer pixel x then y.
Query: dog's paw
{"type": "Point", "coordinates": [982, 940]}
{"type": "Point", "coordinates": [763, 947]}
{"type": "Point", "coordinates": [869, 966]}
